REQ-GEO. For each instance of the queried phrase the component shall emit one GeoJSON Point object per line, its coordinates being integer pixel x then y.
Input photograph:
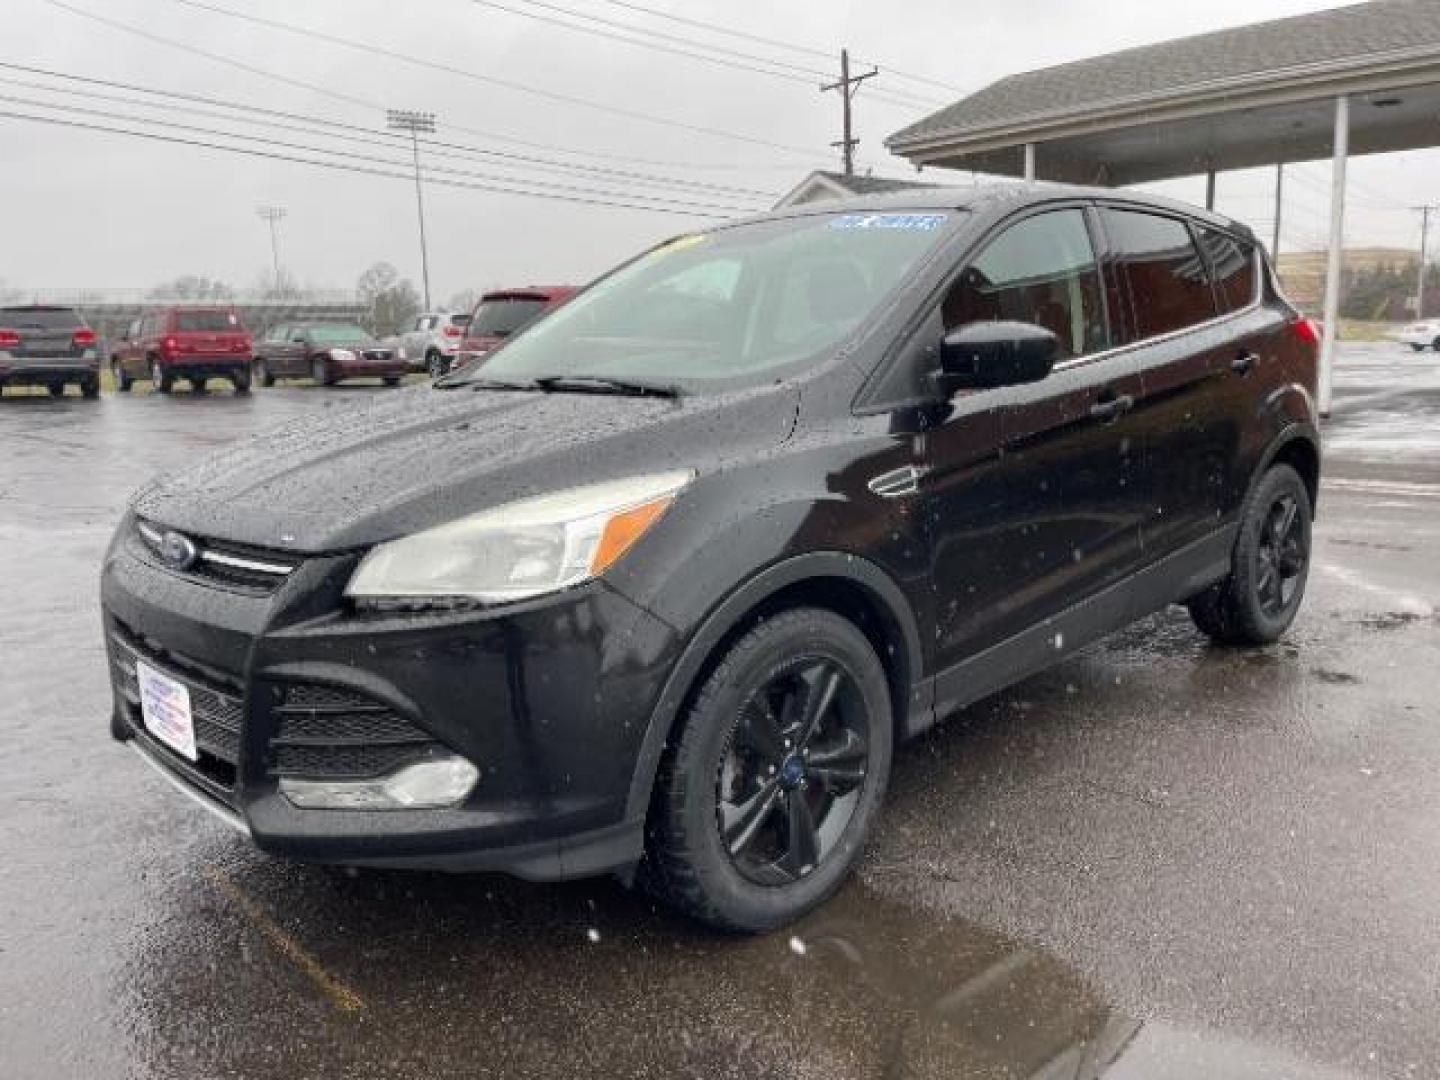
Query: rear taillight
{"type": "Point", "coordinates": [453, 331]}
{"type": "Point", "coordinates": [1306, 330]}
{"type": "Point", "coordinates": [169, 345]}
{"type": "Point", "coordinates": [9, 339]}
{"type": "Point", "coordinates": [84, 336]}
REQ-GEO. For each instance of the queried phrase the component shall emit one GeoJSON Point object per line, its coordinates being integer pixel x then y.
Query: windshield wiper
{"type": "Point", "coordinates": [451, 382]}
{"type": "Point", "coordinates": [606, 384]}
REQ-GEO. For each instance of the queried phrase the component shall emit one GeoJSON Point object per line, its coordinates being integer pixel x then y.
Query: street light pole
{"type": "Point", "coordinates": [1425, 212]}
{"type": "Point", "coordinates": [415, 123]}
{"type": "Point", "coordinates": [273, 215]}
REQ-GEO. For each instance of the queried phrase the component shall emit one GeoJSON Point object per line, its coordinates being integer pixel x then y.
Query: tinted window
{"type": "Point", "coordinates": [1157, 262]}
{"type": "Point", "coordinates": [1232, 264]}
{"type": "Point", "coordinates": [337, 333]}
{"type": "Point", "coordinates": [1039, 271]}
{"type": "Point", "coordinates": [206, 320]}
{"type": "Point", "coordinates": [24, 318]}
{"type": "Point", "coordinates": [504, 317]}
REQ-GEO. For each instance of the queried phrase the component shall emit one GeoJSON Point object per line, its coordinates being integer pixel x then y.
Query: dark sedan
{"type": "Point", "coordinates": [327, 352]}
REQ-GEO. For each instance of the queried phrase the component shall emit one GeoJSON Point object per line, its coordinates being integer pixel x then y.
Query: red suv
{"type": "Point", "coordinates": [194, 343]}
{"type": "Point", "coordinates": [507, 311]}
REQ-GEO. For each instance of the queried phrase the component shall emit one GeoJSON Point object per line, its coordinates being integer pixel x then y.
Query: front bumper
{"type": "Point", "coordinates": [548, 699]}
{"type": "Point", "coordinates": [375, 369]}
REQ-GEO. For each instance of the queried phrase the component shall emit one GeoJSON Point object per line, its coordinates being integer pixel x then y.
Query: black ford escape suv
{"type": "Point", "coordinates": [716, 534]}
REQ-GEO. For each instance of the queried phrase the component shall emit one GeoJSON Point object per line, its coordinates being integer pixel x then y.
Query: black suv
{"type": "Point", "coordinates": [44, 345]}
{"type": "Point", "coordinates": [715, 534]}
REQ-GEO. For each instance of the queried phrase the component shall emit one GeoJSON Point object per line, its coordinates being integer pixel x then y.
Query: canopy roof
{"type": "Point", "coordinates": [1175, 108]}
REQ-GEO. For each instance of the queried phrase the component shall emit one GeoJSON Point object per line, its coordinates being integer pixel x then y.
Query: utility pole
{"type": "Point", "coordinates": [273, 215]}
{"type": "Point", "coordinates": [1279, 192]}
{"type": "Point", "coordinates": [415, 123]}
{"type": "Point", "coordinates": [847, 85]}
{"type": "Point", "coordinates": [1425, 212]}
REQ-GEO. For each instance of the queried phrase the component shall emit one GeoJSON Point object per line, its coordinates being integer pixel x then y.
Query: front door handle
{"type": "Point", "coordinates": [1112, 407]}
{"type": "Point", "coordinates": [1243, 363]}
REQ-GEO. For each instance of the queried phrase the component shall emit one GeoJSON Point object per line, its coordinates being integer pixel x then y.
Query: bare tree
{"type": "Point", "coordinates": [192, 287]}
{"type": "Point", "coordinates": [391, 301]}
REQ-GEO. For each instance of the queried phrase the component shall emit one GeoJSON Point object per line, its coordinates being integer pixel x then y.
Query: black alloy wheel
{"type": "Point", "coordinates": [435, 365]}
{"type": "Point", "coordinates": [791, 777]}
{"type": "Point", "coordinates": [774, 776]}
{"type": "Point", "coordinates": [1260, 598]}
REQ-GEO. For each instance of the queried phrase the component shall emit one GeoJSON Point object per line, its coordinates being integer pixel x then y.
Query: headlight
{"type": "Point", "coordinates": [522, 549]}
{"type": "Point", "coordinates": [344, 356]}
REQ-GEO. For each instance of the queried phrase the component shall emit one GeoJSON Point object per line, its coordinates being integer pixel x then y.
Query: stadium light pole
{"type": "Point", "coordinates": [415, 123]}
{"type": "Point", "coordinates": [273, 215]}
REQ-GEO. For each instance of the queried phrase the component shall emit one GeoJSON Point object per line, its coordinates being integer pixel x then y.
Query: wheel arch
{"type": "Point", "coordinates": [854, 588]}
{"type": "Point", "coordinates": [1299, 447]}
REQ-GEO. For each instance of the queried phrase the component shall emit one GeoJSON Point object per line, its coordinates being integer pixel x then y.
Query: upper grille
{"type": "Point", "coordinates": [217, 712]}
{"type": "Point", "coordinates": [250, 569]}
{"type": "Point", "coordinates": [323, 732]}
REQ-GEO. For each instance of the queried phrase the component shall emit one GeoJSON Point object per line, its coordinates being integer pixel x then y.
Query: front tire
{"type": "Point", "coordinates": [320, 372]}
{"type": "Point", "coordinates": [763, 805]}
{"type": "Point", "coordinates": [1256, 604]}
{"type": "Point", "coordinates": [57, 389]}
{"type": "Point", "coordinates": [90, 387]}
{"type": "Point", "coordinates": [240, 380]}
{"type": "Point", "coordinates": [262, 374]}
{"type": "Point", "coordinates": [1436, 344]}
{"type": "Point", "coordinates": [435, 365]}
{"type": "Point", "coordinates": [122, 378]}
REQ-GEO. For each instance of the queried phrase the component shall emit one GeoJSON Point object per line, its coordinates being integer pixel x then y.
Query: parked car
{"type": "Point", "coordinates": [1418, 335]}
{"type": "Point", "coordinates": [432, 343]}
{"type": "Point", "coordinates": [328, 352]}
{"type": "Point", "coordinates": [45, 345]}
{"type": "Point", "coordinates": [713, 535]}
{"type": "Point", "coordinates": [192, 343]}
{"type": "Point", "coordinates": [505, 312]}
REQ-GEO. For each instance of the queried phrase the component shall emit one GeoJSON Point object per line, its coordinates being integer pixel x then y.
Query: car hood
{"type": "Point", "coordinates": [354, 475]}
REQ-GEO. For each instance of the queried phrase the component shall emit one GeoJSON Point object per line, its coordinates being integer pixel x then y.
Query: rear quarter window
{"type": "Point", "coordinates": [1232, 264]}
{"type": "Point", "coordinates": [39, 319]}
{"type": "Point", "coordinates": [1160, 270]}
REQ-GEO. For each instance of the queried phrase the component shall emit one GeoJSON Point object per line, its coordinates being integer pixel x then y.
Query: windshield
{"type": "Point", "coordinates": [206, 320]}
{"type": "Point", "coordinates": [730, 307]}
{"type": "Point", "coordinates": [329, 333]}
{"type": "Point", "coordinates": [39, 318]}
{"type": "Point", "coordinates": [501, 317]}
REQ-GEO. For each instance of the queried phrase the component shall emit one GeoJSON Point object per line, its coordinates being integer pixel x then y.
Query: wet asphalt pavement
{"type": "Point", "coordinates": [1158, 859]}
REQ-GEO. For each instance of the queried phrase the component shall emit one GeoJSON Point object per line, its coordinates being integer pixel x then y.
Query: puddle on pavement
{"type": "Point", "coordinates": [477, 977]}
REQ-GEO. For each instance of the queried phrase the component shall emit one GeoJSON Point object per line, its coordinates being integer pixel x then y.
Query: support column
{"type": "Point", "coordinates": [1210, 189]}
{"type": "Point", "coordinates": [1333, 263]}
{"type": "Point", "coordinates": [1029, 161]}
{"type": "Point", "coordinates": [1279, 195]}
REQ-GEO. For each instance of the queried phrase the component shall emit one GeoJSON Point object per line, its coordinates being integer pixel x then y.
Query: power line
{"type": "Point", "coordinates": [365, 136]}
{"type": "Point", "coordinates": [656, 201]}
{"type": "Point", "coordinates": [465, 73]}
{"type": "Point", "coordinates": [759, 39]}
{"type": "Point", "coordinates": [339, 166]}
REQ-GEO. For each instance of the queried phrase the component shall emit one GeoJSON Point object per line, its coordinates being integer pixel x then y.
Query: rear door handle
{"type": "Point", "coordinates": [1112, 407]}
{"type": "Point", "coordinates": [1242, 364]}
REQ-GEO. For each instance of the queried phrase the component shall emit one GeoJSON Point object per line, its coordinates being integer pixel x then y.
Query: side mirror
{"type": "Point", "coordinates": [461, 321]}
{"type": "Point", "coordinates": [985, 355]}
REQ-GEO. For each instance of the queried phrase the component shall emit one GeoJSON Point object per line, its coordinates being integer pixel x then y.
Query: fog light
{"type": "Point", "coordinates": [421, 786]}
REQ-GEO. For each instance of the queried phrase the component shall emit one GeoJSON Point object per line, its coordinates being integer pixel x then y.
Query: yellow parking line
{"type": "Point", "coordinates": [340, 994]}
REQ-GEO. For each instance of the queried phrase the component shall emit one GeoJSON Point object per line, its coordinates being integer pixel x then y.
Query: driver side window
{"type": "Point", "coordinates": [1042, 271]}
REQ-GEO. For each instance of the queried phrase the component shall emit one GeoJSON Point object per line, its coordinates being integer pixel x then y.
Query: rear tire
{"type": "Point", "coordinates": [762, 805]}
{"type": "Point", "coordinates": [240, 380]}
{"type": "Point", "coordinates": [56, 389]}
{"type": "Point", "coordinates": [90, 387]}
{"type": "Point", "coordinates": [435, 365]}
{"type": "Point", "coordinates": [1436, 344]}
{"type": "Point", "coordinates": [391, 380]}
{"type": "Point", "coordinates": [1417, 348]}
{"type": "Point", "coordinates": [123, 381]}
{"type": "Point", "coordinates": [1258, 601]}
{"type": "Point", "coordinates": [160, 379]}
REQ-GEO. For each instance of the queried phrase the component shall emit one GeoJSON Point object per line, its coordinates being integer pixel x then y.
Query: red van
{"type": "Point", "coordinates": [504, 312]}
{"type": "Point", "coordinates": [194, 343]}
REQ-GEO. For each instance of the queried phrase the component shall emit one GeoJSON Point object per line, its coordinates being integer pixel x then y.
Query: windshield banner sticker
{"type": "Point", "coordinates": [915, 222]}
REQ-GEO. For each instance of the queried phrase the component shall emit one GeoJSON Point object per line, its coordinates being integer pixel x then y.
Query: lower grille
{"type": "Point", "coordinates": [218, 712]}
{"type": "Point", "coordinates": [325, 733]}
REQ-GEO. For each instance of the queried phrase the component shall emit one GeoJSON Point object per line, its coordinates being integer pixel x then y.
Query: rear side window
{"type": "Point", "coordinates": [1041, 271]}
{"type": "Point", "coordinates": [21, 318]}
{"type": "Point", "coordinates": [1160, 270]}
{"type": "Point", "coordinates": [215, 321]}
{"type": "Point", "coordinates": [1232, 264]}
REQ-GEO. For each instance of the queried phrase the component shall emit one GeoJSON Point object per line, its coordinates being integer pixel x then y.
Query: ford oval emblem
{"type": "Point", "coordinates": [178, 551]}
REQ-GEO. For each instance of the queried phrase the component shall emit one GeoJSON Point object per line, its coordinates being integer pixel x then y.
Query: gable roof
{"type": "Point", "coordinates": [823, 183]}
{"type": "Point", "coordinates": [1337, 39]}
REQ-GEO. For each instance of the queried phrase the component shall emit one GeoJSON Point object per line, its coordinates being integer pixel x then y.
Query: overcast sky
{"type": "Point", "coordinates": [86, 209]}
